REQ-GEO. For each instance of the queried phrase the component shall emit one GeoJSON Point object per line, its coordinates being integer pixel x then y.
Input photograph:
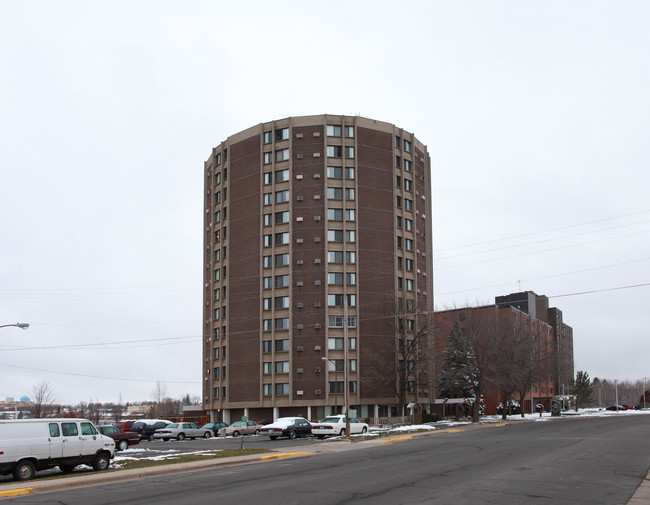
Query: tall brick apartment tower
{"type": "Point", "coordinates": [307, 218]}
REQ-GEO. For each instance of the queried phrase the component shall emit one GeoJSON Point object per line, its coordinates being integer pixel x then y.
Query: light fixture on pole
{"type": "Point", "coordinates": [23, 326]}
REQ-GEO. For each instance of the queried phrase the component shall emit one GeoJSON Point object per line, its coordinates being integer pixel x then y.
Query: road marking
{"type": "Point", "coordinates": [16, 492]}
{"type": "Point", "coordinates": [285, 455]}
{"type": "Point", "coordinates": [455, 431]}
{"type": "Point", "coordinates": [399, 439]}
{"type": "Point", "coordinates": [501, 424]}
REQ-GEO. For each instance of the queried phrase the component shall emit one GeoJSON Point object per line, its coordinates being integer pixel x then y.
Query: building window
{"type": "Point", "coordinates": [349, 193]}
{"type": "Point", "coordinates": [335, 278]}
{"type": "Point", "coordinates": [267, 389]}
{"type": "Point", "coordinates": [267, 261]}
{"type": "Point", "coordinates": [281, 323]}
{"type": "Point", "coordinates": [217, 216]}
{"type": "Point", "coordinates": [216, 353]}
{"type": "Point", "coordinates": [408, 204]}
{"type": "Point", "coordinates": [217, 274]}
{"type": "Point", "coordinates": [334, 151]}
{"type": "Point", "coordinates": [281, 302]}
{"type": "Point", "coordinates": [282, 345]}
{"type": "Point", "coordinates": [408, 165]}
{"type": "Point", "coordinates": [334, 130]}
{"type": "Point", "coordinates": [267, 137]}
{"type": "Point", "coordinates": [335, 365]}
{"type": "Point", "coordinates": [353, 386]}
{"type": "Point", "coordinates": [218, 159]}
{"type": "Point", "coordinates": [398, 161]}
{"type": "Point", "coordinates": [267, 240]}
{"type": "Point", "coordinates": [282, 175]}
{"type": "Point", "coordinates": [223, 392]}
{"type": "Point", "coordinates": [282, 196]}
{"type": "Point", "coordinates": [352, 365]}
{"type": "Point", "coordinates": [267, 303]}
{"type": "Point", "coordinates": [352, 300]}
{"type": "Point", "coordinates": [409, 284]}
{"type": "Point", "coordinates": [267, 282]}
{"type": "Point", "coordinates": [282, 217]}
{"type": "Point", "coordinates": [217, 314]}
{"type": "Point", "coordinates": [335, 343]}
{"type": "Point", "coordinates": [335, 321]}
{"type": "Point", "coordinates": [336, 387]}
{"type": "Point", "coordinates": [335, 172]}
{"type": "Point", "coordinates": [335, 235]}
{"type": "Point", "coordinates": [267, 219]}
{"type": "Point", "coordinates": [349, 131]}
{"type": "Point", "coordinates": [409, 264]}
{"type": "Point", "coordinates": [335, 300]}
{"type": "Point", "coordinates": [217, 255]}
{"type": "Point", "coordinates": [268, 178]}
{"type": "Point", "coordinates": [398, 201]}
{"type": "Point", "coordinates": [349, 172]}
{"type": "Point", "coordinates": [282, 389]}
{"type": "Point", "coordinates": [350, 257]}
{"type": "Point", "coordinates": [408, 224]}
{"type": "Point", "coordinates": [408, 244]}
{"type": "Point", "coordinates": [349, 152]}
{"type": "Point", "coordinates": [268, 198]}
{"type": "Point", "coordinates": [281, 367]}
{"type": "Point", "coordinates": [217, 179]}
{"type": "Point", "coordinates": [267, 346]}
{"type": "Point", "coordinates": [399, 221]}
{"type": "Point", "coordinates": [335, 256]}
{"type": "Point", "coordinates": [268, 158]}
{"type": "Point", "coordinates": [334, 193]}
{"type": "Point", "coordinates": [350, 278]}
{"type": "Point", "coordinates": [350, 236]}
{"type": "Point", "coordinates": [282, 155]}
{"type": "Point", "coordinates": [215, 393]}
{"type": "Point", "coordinates": [282, 134]}
{"type": "Point", "coordinates": [267, 324]}
{"type": "Point", "coordinates": [281, 260]}
{"type": "Point", "coordinates": [407, 146]}
{"type": "Point", "coordinates": [335, 214]}
{"type": "Point", "coordinates": [266, 368]}
{"type": "Point", "coordinates": [282, 238]}
{"type": "Point", "coordinates": [352, 322]}
{"type": "Point", "coordinates": [349, 215]}
{"type": "Point", "coordinates": [398, 142]}
{"type": "Point", "coordinates": [398, 181]}
{"type": "Point", "coordinates": [408, 185]}
{"type": "Point", "coordinates": [399, 262]}
{"type": "Point", "coordinates": [282, 281]}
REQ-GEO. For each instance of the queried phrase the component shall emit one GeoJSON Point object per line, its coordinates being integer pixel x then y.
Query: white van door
{"type": "Point", "coordinates": [89, 438]}
{"type": "Point", "coordinates": [55, 440]}
{"type": "Point", "coordinates": [71, 439]}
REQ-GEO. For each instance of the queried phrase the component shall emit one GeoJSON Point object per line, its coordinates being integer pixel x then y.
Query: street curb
{"type": "Point", "coordinates": [16, 492]}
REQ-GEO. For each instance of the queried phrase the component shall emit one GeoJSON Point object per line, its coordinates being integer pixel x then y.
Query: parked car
{"type": "Point", "coordinates": [290, 427]}
{"type": "Point", "coordinates": [620, 407]}
{"type": "Point", "coordinates": [30, 445]}
{"type": "Point", "coordinates": [335, 425]}
{"type": "Point", "coordinates": [214, 427]}
{"type": "Point", "coordinates": [123, 439]}
{"type": "Point", "coordinates": [240, 428]}
{"type": "Point", "coordinates": [145, 428]}
{"type": "Point", "coordinates": [124, 426]}
{"type": "Point", "coordinates": [180, 431]}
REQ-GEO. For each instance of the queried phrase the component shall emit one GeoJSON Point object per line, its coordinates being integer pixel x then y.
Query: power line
{"type": "Point", "coordinates": [96, 376]}
{"type": "Point", "coordinates": [601, 290]}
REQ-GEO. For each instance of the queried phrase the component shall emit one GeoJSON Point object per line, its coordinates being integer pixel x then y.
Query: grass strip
{"type": "Point", "coordinates": [144, 463]}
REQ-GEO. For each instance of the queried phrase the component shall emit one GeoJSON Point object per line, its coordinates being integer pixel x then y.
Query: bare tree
{"type": "Point", "coordinates": [42, 399]}
{"type": "Point", "coordinates": [159, 392]}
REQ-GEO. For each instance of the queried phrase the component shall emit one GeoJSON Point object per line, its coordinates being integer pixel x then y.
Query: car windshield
{"type": "Point", "coordinates": [331, 420]}
{"type": "Point", "coordinates": [173, 425]}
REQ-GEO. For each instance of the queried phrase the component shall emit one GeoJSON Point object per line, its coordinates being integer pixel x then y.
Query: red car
{"type": "Point", "coordinates": [124, 425]}
{"type": "Point", "coordinates": [122, 439]}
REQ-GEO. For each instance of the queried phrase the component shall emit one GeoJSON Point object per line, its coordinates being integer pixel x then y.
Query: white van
{"type": "Point", "coordinates": [30, 445]}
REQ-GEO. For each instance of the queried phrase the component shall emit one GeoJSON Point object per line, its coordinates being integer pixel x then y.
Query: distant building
{"type": "Point", "coordinates": [537, 307]}
{"type": "Point", "coordinates": [508, 320]}
{"type": "Point", "coordinates": [315, 229]}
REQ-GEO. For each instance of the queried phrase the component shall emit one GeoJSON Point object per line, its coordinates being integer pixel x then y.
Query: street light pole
{"type": "Point", "coordinates": [22, 326]}
{"type": "Point", "coordinates": [336, 380]}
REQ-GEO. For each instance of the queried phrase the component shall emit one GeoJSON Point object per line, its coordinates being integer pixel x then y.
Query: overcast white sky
{"type": "Point", "coordinates": [536, 116]}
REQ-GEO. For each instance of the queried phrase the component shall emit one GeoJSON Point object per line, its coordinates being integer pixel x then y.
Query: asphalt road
{"type": "Point", "coordinates": [576, 461]}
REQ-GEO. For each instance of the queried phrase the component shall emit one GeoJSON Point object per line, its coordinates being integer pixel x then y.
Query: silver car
{"type": "Point", "coordinates": [179, 431]}
{"type": "Point", "coordinates": [240, 428]}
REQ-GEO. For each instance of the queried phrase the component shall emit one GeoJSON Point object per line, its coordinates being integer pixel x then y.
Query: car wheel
{"type": "Point", "coordinates": [342, 432]}
{"type": "Point", "coordinates": [101, 462]}
{"type": "Point", "coordinates": [257, 432]}
{"type": "Point", "coordinates": [67, 468]}
{"type": "Point", "coordinates": [235, 433]}
{"type": "Point", "coordinates": [364, 430]}
{"type": "Point", "coordinates": [122, 445]}
{"type": "Point", "coordinates": [273, 438]}
{"type": "Point", "coordinates": [207, 434]}
{"type": "Point", "coordinates": [293, 434]}
{"type": "Point", "coordinates": [180, 436]}
{"type": "Point", "coordinates": [24, 470]}
{"type": "Point", "coordinates": [320, 437]}
{"type": "Point", "coordinates": [165, 439]}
